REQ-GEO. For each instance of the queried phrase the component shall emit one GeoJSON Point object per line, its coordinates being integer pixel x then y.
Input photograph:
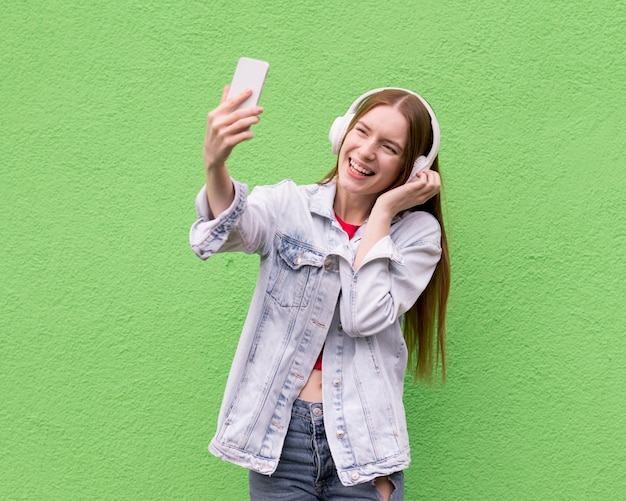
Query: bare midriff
{"type": "Point", "coordinates": [312, 391]}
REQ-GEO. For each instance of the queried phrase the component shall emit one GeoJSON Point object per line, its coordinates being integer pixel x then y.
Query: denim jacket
{"type": "Point", "coordinates": [308, 297]}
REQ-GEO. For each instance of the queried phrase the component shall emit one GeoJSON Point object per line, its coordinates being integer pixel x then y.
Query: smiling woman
{"type": "Point", "coordinates": [313, 403]}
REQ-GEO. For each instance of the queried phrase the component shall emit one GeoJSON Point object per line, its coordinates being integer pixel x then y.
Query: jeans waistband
{"type": "Point", "coordinates": [313, 411]}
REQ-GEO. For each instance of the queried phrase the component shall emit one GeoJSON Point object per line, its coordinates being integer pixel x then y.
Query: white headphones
{"type": "Point", "coordinates": [340, 126]}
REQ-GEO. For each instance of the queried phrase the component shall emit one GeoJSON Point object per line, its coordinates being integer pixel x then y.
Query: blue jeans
{"type": "Point", "coordinates": [306, 471]}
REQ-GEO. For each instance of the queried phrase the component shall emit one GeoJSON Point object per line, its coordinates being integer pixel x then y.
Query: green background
{"type": "Point", "coordinates": [115, 340]}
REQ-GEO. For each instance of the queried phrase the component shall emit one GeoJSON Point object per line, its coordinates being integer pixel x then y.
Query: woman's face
{"type": "Point", "coordinates": [373, 152]}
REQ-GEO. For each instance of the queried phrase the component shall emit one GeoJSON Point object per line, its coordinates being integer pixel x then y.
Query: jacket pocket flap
{"type": "Point", "coordinates": [298, 254]}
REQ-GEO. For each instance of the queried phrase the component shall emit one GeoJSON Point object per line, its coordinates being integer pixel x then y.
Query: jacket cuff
{"type": "Point", "coordinates": [384, 248]}
{"type": "Point", "coordinates": [208, 233]}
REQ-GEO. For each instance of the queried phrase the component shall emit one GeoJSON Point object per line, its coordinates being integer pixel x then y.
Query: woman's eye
{"type": "Point", "coordinates": [390, 149]}
{"type": "Point", "coordinates": [360, 130]}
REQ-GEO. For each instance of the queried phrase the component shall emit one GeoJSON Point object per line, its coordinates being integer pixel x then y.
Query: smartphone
{"type": "Point", "coordinates": [249, 74]}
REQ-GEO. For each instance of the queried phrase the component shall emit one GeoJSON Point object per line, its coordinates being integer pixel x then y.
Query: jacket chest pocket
{"type": "Point", "coordinates": [294, 272]}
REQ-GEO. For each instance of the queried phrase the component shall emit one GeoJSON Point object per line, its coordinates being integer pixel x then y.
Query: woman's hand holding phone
{"type": "Point", "coordinates": [227, 126]}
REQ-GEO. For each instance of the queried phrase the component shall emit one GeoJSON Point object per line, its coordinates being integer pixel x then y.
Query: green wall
{"type": "Point", "coordinates": [115, 340]}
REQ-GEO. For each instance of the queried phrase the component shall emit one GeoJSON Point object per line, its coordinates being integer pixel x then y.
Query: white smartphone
{"type": "Point", "coordinates": [249, 74]}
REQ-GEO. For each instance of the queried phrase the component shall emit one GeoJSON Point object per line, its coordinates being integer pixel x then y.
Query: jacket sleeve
{"type": "Point", "coordinates": [392, 276]}
{"type": "Point", "coordinates": [244, 226]}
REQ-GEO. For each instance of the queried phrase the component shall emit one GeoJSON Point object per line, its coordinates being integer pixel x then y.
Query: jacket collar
{"type": "Point", "coordinates": [323, 198]}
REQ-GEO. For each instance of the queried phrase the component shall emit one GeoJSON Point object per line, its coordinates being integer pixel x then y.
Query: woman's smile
{"type": "Point", "coordinates": [358, 169]}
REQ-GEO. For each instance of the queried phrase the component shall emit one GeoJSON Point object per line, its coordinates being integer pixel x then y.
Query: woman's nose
{"type": "Point", "coordinates": [368, 149]}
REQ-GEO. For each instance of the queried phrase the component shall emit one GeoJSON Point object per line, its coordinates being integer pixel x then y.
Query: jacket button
{"type": "Point", "coordinates": [330, 264]}
{"type": "Point", "coordinates": [297, 261]}
{"type": "Point", "coordinates": [340, 434]}
{"type": "Point", "coordinates": [336, 383]}
{"type": "Point", "coordinates": [354, 475]}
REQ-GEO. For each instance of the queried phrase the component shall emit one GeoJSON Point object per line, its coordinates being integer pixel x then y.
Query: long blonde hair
{"type": "Point", "coordinates": [424, 325]}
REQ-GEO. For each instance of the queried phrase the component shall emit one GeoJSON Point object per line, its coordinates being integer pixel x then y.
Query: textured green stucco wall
{"type": "Point", "coordinates": [115, 340]}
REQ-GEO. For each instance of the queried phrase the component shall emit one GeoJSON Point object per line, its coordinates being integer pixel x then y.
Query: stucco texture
{"type": "Point", "coordinates": [115, 340]}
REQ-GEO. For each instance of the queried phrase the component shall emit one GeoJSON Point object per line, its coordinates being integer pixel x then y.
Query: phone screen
{"type": "Point", "coordinates": [249, 74]}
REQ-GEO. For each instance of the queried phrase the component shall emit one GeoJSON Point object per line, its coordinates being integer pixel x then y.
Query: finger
{"type": "Point", "coordinates": [230, 136]}
{"type": "Point", "coordinates": [242, 124]}
{"type": "Point", "coordinates": [230, 103]}
{"type": "Point", "coordinates": [434, 180]}
{"type": "Point", "coordinates": [417, 178]}
{"type": "Point", "coordinates": [423, 188]}
{"type": "Point", "coordinates": [246, 116]}
{"type": "Point", "coordinates": [431, 188]}
{"type": "Point", "coordinates": [234, 139]}
{"type": "Point", "coordinates": [235, 100]}
{"type": "Point", "coordinates": [430, 179]}
{"type": "Point", "coordinates": [246, 112]}
{"type": "Point", "coordinates": [225, 93]}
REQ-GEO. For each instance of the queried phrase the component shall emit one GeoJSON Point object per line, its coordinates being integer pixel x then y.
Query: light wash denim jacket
{"type": "Point", "coordinates": [307, 297]}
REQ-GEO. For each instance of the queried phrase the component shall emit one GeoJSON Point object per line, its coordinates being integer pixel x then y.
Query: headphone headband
{"type": "Point", "coordinates": [340, 126]}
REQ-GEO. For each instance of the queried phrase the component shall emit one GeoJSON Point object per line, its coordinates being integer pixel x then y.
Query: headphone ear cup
{"type": "Point", "coordinates": [338, 130]}
{"type": "Point", "coordinates": [419, 165]}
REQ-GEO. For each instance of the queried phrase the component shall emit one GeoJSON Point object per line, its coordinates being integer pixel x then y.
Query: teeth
{"type": "Point", "coordinates": [360, 169]}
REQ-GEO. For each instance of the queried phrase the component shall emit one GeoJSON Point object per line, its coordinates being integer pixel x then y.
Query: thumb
{"type": "Point", "coordinates": [225, 93]}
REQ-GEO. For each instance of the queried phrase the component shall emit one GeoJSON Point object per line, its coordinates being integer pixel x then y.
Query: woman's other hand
{"type": "Point", "coordinates": [425, 186]}
{"type": "Point", "coordinates": [416, 192]}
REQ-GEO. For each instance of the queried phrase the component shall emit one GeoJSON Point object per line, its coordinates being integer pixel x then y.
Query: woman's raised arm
{"type": "Point", "coordinates": [227, 126]}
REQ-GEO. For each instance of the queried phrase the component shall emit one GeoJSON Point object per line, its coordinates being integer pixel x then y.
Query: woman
{"type": "Point", "coordinates": [313, 404]}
